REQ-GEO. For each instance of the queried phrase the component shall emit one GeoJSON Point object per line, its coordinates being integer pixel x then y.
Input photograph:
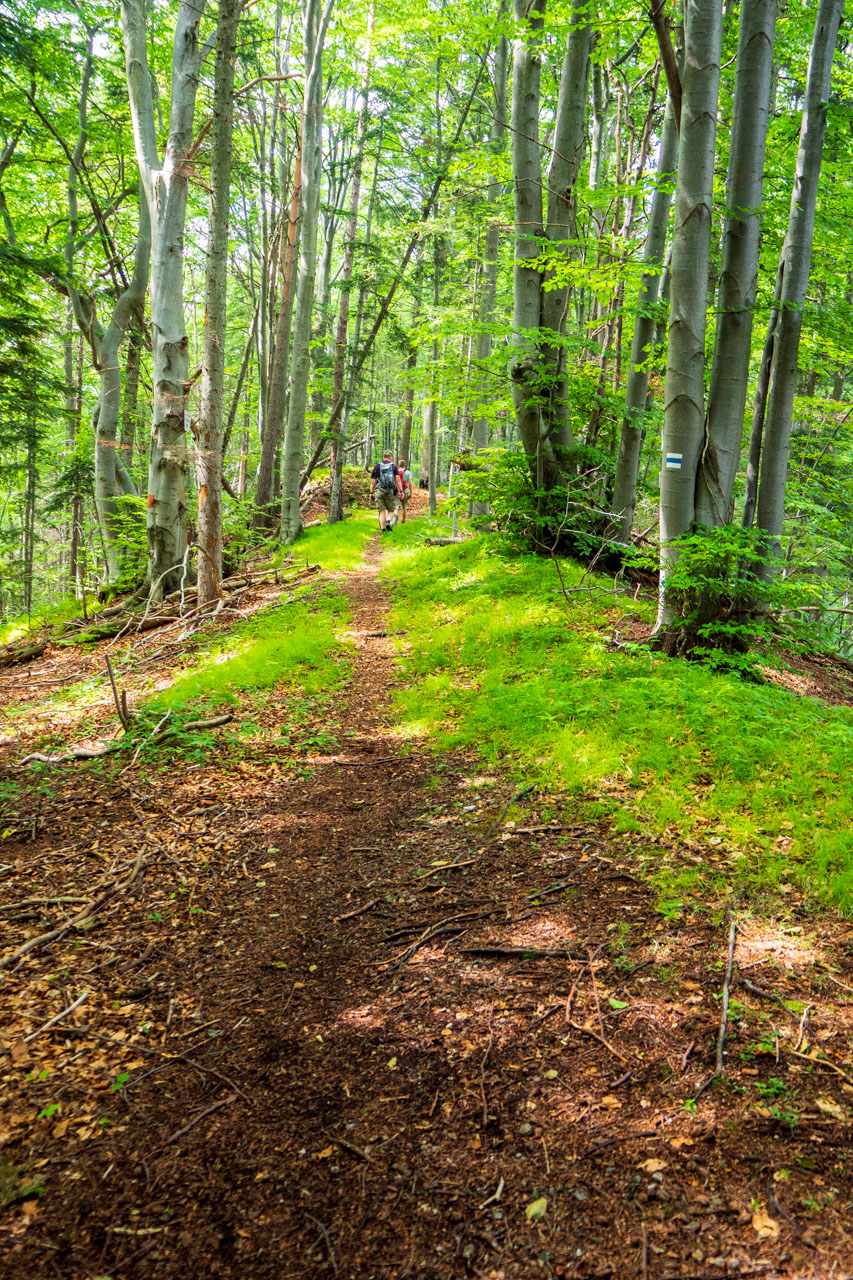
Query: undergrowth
{"type": "Point", "coordinates": [752, 779]}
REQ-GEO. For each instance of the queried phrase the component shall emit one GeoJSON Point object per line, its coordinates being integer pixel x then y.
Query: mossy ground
{"type": "Point", "coordinates": [754, 779]}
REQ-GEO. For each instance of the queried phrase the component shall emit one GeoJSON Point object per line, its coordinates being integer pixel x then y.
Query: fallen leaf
{"type": "Point", "coordinates": [325, 1153]}
{"type": "Point", "coordinates": [652, 1166]}
{"type": "Point", "coordinates": [611, 1101]}
{"type": "Point", "coordinates": [766, 1227]}
{"type": "Point", "coordinates": [830, 1108]}
{"type": "Point", "coordinates": [19, 1052]}
{"type": "Point", "coordinates": [537, 1209]}
{"type": "Point", "coordinates": [617, 1004]}
{"type": "Point", "coordinates": [678, 1143]}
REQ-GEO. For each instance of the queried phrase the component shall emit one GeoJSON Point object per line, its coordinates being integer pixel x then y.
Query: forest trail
{"type": "Point", "coordinates": [347, 1020]}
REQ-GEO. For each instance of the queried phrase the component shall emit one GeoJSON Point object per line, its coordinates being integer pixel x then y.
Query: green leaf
{"type": "Point", "coordinates": [618, 1004]}
{"type": "Point", "coordinates": [537, 1209]}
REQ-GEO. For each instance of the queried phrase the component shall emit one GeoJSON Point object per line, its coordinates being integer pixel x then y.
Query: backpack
{"type": "Point", "coordinates": [386, 477]}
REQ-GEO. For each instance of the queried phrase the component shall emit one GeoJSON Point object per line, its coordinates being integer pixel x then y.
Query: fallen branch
{"type": "Point", "coordinates": [87, 753]}
{"type": "Point", "coordinates": [22, 653]}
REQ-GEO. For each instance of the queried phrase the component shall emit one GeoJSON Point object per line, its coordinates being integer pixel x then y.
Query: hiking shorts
{"type": "Point", "coordinates": [405, 498]}
{"type": "Point", "coordinates": [385, 499]}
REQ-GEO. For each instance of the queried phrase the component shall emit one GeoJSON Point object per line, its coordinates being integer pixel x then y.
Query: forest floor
{"type": "Point", "coordinates": [351, 1019]}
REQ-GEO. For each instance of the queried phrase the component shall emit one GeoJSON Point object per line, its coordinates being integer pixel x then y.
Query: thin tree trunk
{"type": "Point", "coordinates": [277, 398]}
{"type": "Point", "coordinates": [739, 268]}
{"type": "Point", "coordinates": [336, 464]}
{"type": "Point", "coordinates": [642, 344]}
{"type": "Point", "coordinates": [796, 257]}
{"type": "Point", "coordinates": [312, 143]}
{"type": "Point", "coordinates": [209, 455]}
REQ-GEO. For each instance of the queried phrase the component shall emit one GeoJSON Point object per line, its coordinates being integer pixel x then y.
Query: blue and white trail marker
{"type": "Point", "coordinates": [673, 461]}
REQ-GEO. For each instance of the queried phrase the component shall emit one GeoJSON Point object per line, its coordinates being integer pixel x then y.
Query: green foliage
{"type": "Point", "coordinates": [754, 776]}
{"type": "Point", "coordinates": [567, 517]}
{"type": "Point", "coordinates": [723, 614]}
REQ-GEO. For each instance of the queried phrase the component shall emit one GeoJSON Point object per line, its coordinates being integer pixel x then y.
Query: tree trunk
{"type": "Point", "coordinates": [642, 344]}
{"type": "Point", "coordinates": [684, 408]}
{"type": "Point", "coordinates": [165, 185]}
{"type": "Point", "coordinates": [739, 267]}
{"type": "Point", "coordinates": [795, 267]}
{"type": "Point", "coordinates": [277, 396]}
{"type": "Point", "coordinates": [130, 397]}
{"type": "Point", "coordinates": [209, 455]}
{"type": "Point", "coordinates": [336, 464]}
{"type": "Point", "coordinates": [312, 146]}
{"type": "Point", "coordinates": [539, 391]}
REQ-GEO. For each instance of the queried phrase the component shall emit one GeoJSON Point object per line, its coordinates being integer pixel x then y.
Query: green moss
{"type": "Point", "coordinates": [756, 776]}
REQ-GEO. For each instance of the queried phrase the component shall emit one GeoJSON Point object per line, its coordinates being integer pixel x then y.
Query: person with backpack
{"type": "Point", "coordinates": [406, 492]}
{"type": "Point", "coordinates": [385, 488]}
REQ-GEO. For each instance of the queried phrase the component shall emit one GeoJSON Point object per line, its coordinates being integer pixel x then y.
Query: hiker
{"type": "Point", "coordinates": [385, 488]}
{"type": "Point", "coordinates": [406, 493]}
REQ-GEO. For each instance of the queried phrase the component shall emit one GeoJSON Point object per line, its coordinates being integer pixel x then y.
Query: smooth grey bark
{"type": "Point", "coordinates": [739, 267]}
{"type": "Point", "coordinates": [795, 266]}
{"type": "Point", "coordinates": [277, 397]}
{"type": "Point", "coordinates": [209, 438]}
{"type": "Point", "coordinates": [643, 340]}
{"type": "Point", "coordinates": [336, 504]}
{"type": "Point", "coordinates": [165, 183]}
{"type": "Point", "coordinates": [315, 28]}
{"type": "Point", "coordinates": [130, 397]}
{"type": "Point", "coordinates": [683, 433]}
{"type": "Point", "coordinates": [539, 395]}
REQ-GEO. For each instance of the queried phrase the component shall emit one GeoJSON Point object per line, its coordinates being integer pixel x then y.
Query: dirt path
{"type": "Point", "coordinates": [304, 1053]}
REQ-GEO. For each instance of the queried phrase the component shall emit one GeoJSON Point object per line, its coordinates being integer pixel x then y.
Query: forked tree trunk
{"type": "Point", "coordinates": [538, 370]}
{"type": "Point", "coordinates": [683, 433]}
{"type": "Point", "coordinates": [739, 268]}
{"type": "Point", "coordinates": [795, 267]}
{"type": "Point", "coordinates": [209, 455]}
{"type": "Point", "coordinates": [165, 183]}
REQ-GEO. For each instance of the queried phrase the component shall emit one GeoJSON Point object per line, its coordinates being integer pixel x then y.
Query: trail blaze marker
{"type": "Point", "coordinates": [673, 461]}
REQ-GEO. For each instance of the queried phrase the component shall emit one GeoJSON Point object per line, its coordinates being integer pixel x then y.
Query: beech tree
{"type": "Point", "coordinates": [165, 182]}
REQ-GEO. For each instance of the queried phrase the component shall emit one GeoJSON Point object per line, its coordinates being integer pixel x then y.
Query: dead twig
{"type": "Point", "coordinates": [511, 801]}
{"type": "Point", "coordinates": [359, 911]}
{"type": "Point", "coordinates": [559, 885]}
{"type": "Point", "coordinates": [179, 1133]}
{"type": "Point", "coordinates": [443, 866]}
{"type": "Point", "coordinates": [724, 1011]}
{"type": "Point", "coordinates": [483, 1067]}
{"type": "Point", "coordinates": [58, 1018]}
{"type": "Point", "coordinates": [588, 1031]}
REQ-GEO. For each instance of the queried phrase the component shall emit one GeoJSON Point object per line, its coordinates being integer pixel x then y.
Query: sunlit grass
{"type": "Point", "coordinates": [757, 778]}
{"type": "Point", "coordinates": [336, 547]}
{"type": "Point", "coordinates": [53, 615]}
{"type": "Point", "coordinates": [295, 642]}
